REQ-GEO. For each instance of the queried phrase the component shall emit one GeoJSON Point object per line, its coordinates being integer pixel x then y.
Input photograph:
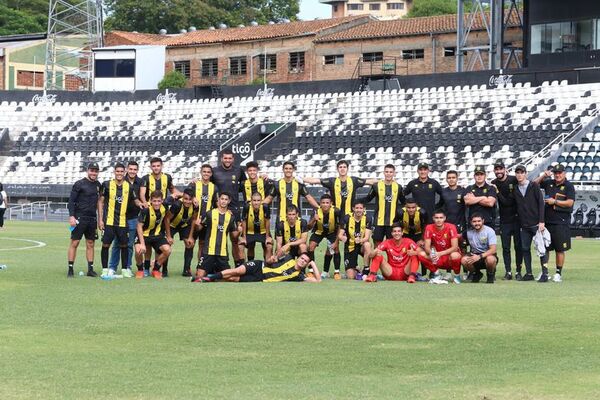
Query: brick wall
{"type": "Point", "coordinates": [29, 79]}
{"type": "Point", "coordinates": [2, 73]}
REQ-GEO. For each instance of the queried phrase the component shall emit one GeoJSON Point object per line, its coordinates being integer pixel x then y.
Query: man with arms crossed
{"type": "Point", "coordinates": [423, 190]}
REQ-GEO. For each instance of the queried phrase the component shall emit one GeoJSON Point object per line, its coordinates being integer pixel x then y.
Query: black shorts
{"type": "Point", "coordinates": [184, 232]}
{"type": "Point", "coordinates": [112, 232]}
{"type": "Point", "coordinates": [237, 218]}
{"type": "Point", "coordinates": [318, 238]}
{"type": "Point", "coordinates": [200, 235]}
{"type": "Point", "coordinates": [154, 242]}
{"type": "Point", "coordinates": [294, 251]}
{"type": "Point", "coordinates": [479, 265]}
{"type": "Point", "coordinates": [381, 232]}
{"type": "Point", "coordinates": [561, 237]}
{"type": "Point", "coordinates": [351, 258]}
{"type": "Point", "coordinates": [256, 238]}
{"type": "Point", "coordinates": [253, 273]}
{"type": "Point", "coordinates": [86, 227]}
{"type": "Point", "coordinates": [213, 264]}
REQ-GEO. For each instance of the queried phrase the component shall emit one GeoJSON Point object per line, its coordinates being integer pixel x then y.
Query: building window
{"type": "Point", "coordinates": [449, 51]}
{"type": "Point", "coordinates": [375, 7]}
{"type": "Point", "coordinates": [562, 37]}
{"type": "Point", "coordinates": [183, 67]}
{"type": "Point", "coordinates": [371, 57]}
{"type": "Point", "coordinates": [336, 59]}
{"type": "Point", "coordinates": [335, 9]}
{"type": "Point", "coordinates": [210, 67]}
{"type": "Point", "coordinates": [355, 7]}
{"type": "Point", "coordinates": [297, 62]}
{"type": "Point", "coordinates": [237, 65]}
{"type": "Point", "coordinates": [271, 62]}
{"type": "Point", "coordinates": [395, 6]}
{"type": "Point", "coordinates": [413, 54]}
{"type": "Point", "coordinates": [123, 68]}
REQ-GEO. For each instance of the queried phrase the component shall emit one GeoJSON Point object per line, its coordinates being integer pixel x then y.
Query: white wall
{"type": "Point", "coordinates": [149, 67]}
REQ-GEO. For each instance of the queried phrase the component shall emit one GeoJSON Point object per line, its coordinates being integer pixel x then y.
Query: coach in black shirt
{"type": "Point", "coordinates": [453, 198]}
{"type": "Point", "coordinates": [509, 225]}
{"type": "Point", "coordinates": [424, 189]}
{"type": "Point", "coordinates": [83, 208]}
{"type": "Point", "coordinates": [481, 198]}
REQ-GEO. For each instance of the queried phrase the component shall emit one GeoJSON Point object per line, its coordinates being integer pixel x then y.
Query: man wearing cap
{"type": "Point", "coordinates": [559, 198]}
{"type": "Point", "coordinates": [83, 203]}
{"type": "Point", "coordinates": [481, 198]}
{"type": "Point", "coordinates": [530, 209]}
{"type": "Point", "coordinates": [424, 189]}
{"type": "Point", "coordinates": [506, 185]}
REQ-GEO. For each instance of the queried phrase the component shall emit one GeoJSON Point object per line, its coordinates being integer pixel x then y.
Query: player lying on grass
{"type": "Point", "coordinates": [286, 269]}
{"type": "Point", "coordinates": [402, 262]}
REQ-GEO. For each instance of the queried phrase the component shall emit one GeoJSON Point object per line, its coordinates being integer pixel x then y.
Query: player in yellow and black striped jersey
{"type": "Point", "coordinates": [355, 232]}
{"type": "Point", "coordinates": [286, 269]}
{"type": "Point", "coordinates": [116, 197]}
{"type": "Point", "coordinates": [151, 235]}
{"type": "Point", "coordinates": [254, 183]}
{"type": "Point", "coordinates": [180, 220]}
{"type": "Point", "coordinates": [205, 197]}
{"type": "Point", "coordinates": [413, 220]}
{"type": "Point", "coordinates": [218, 223]}
{"type": "Point", "coordinates": [291, 234]}
{"type": "Point", "coordinates": [325, 225]}
{"type": "Point", "coordinates": [256, 227]}
{"type": "Point", "coordinates": [390, 198]}
{"type": "Point", "coordinates": [157, 181]}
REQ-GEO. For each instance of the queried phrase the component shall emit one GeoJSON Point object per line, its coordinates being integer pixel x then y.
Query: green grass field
{"type": "Point", "coordinates": [86, 338]}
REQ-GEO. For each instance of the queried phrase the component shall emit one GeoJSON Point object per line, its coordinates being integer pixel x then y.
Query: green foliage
{"type": "Point", "coordinates": [259, 80]}
{"type": "Point", "coordinates": [172, 80]}
{"type": "Point", "coordinates": [428, 8]}
{"type": "Point", "coordinates": [15, 21]}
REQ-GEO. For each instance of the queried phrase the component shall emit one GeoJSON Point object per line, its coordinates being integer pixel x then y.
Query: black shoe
{"type": "Point", "coordinates": [469, 277]}
{"type": "Point", "coordinates": [508, 276]}
{"type": "Point", "coordinates": [70, 273]}
{"type": "Point", "coordinates": [187, 273]}
{"type": "Point", "coordinates": [527, 277]}
{"type": "Point", "coordinates": [490, 279]}
{"type": "Point", "coordinates": [165, 273]}
{"type": "Point", "coordinates": [92, 273]}
{"type": "Point", "coordinates": [477, 277]}
{"type": "Point", "coordinates": [518, 276]}
{"type": "Point", "coordinates": [543, 278]}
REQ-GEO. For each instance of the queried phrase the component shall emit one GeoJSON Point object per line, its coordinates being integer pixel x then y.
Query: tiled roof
{"type": "Point", "coordinates": [405, 27]}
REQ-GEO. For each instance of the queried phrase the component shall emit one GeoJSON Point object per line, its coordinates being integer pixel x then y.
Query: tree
{"type": "Point", "coordinates": [17, 21]}
{"type": "Point", "coordinates": [428, 8]}
{"type": "Point", "coordinates": [172, 80]}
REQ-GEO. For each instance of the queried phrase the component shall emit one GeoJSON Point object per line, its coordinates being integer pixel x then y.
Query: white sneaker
{"type": "Point", "coordinates": [438, 281]}
{"type": "Point", "coordinates": [557, 278]}
{"type": "Point", "coordinates": [105, 272]}
{"type": "Point", "coordinates": [324, 275]}
{"type": "Point", "coordinates": [457, 279]}
{"type": "Point", "coordinates": [127, 273]}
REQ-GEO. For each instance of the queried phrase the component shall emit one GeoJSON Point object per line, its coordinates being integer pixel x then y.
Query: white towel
{"type": "Point", "coordinates": [541, 241]}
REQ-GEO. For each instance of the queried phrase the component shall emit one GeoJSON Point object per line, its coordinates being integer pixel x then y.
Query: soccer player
{"type": "Point", "coordinates": [559, 198]}
{"type": "Point", "coordinates": [482, 243]}
{"type": "Point", "coordinates": [423, 189]}
{"type": "Point", "coordinates": [325, 225]}
{"type": "Point", "coordinates": [205, 197]}
{"type": "Point", "coordinates": [402, 258]}
{"type": "Point", "coordinates": [288, 190]}
{"type": "Point", "coordinates": [180, 220]}
{"type": "Point", "coordinates": [254, 183]}
{"type": "Point", "coordinates": [453, 197]}
{"type": "Point", "coordinates": [355, 231]}
{"type": "Point", "coordinates": [441, 249]}
{"type": "Point", "coordinates": [133, 210]}
{"type": "Point", "coordinates": [151, 235]}
{"type": "Point", "coordinates": [256, 227]}
{"type": "Point", "coordinates": [389, 198]}
{"type": "Point", "coordinates": [218, 223]}
{"type": "Point", "coordinates": [510, 228]}
{"type": "Point", "coordinates": [291, 234]}
{"type": "Point", "coordinates": [83, 206]}
{"type": "Point", "coordinates": [343, 188]}
{"type": "Point", "coordinates": [413, 220]}
{"type": "Point", "coordinates": [288, 269]}
{"type": "Point", "coordinates": [114, 202]}
{"type": "Point", "coordinates": [530, 208]}
{"type": "Point", "coordinates": [481, 198]}
{"type": "Point", "coordinates": [157, 181]}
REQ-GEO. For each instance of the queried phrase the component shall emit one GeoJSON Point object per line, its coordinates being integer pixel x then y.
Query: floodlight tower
{"type": "Point", "coordinates": [75, 27]}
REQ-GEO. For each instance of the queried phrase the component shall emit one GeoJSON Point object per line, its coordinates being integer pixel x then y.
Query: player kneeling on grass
{"type": "Point", "coordinates": [180, 219]}
{"type": "Point", "coordinates": [256, 227]}
{"type": "Point", "coordinates": [325, 225]}
{"type": "Point", "coordinates": [151, 235]}
{"type": "Point", "coordinates": [441, 250]}
{"type": "Point", "coordinates": [355, 232]}
{"type": "Point", "coordinates": [286, 269]}
{"type": "Point", "coordinates": [482, 243]}
{"type": "Point", "coordinates": [402, 262]}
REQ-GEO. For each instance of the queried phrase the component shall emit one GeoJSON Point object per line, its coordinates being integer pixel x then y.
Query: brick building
{"type": "Point", "coordinates": [378, 8]}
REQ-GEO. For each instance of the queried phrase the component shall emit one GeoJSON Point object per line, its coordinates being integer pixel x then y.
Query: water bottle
{"type": "Point", "coordinates": [72, 228]}
{"type": "Point", "coordinates": [3, 267]}
{"type": "Point", "coordinates": [432, 254]}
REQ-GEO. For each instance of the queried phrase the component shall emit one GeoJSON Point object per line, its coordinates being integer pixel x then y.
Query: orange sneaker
{"type": "Point", "coordinates": [139, 274]}
{"type": "Point", "coordinates": [337, 276]}
{"type": "Point", "coordinates": [310, 275]}
{"type": "Point", "coordinates": [371, 278]}
{"type": "Point", "coordinates": [157, 274]}
{"type": "Point", "coordinates": [411, 279]}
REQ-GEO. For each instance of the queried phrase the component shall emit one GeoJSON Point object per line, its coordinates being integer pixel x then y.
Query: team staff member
{"type": "Point", "coordinates": [559, 199]}
{"type": "Point", "coordinates": [355, 231]}
{"type": "Point", "coordinates": [402, 263]}
{"type": "Point", "coordinates": [133, 210]}
{"type": "Point", "coordinates": [151, 235]}
{"type": "Point", "coordinates": [157, 181]}
{"type": "Point", "coordinates": [291, 234]}
{"type": "Point", "coordinates": [481, 198]}
{"type": "Point", "coordinates": [442, 237]}
{"type": "Point", "coordinates": [180, 220]}
{"type": "Point", "coordinates": [325, 225]}
{"type": "Point", "coordinates": [256, 227]}
{"type": "Point", "coordinates": [83, 206]}
{"type": "Point", "coordinates": [453, 197]}
{"type": "Point", "coordinates": [254, 183]}
{"type": "Point", "coordinates": [219, 222]}
{"type": "Point", "coordinates": [343, 188]}
{"type": "Point", "coordinates": [482, 243]}
{"type": "Point", "coordinates": [530, 208]}
{"type": "Point", "coordinates": [413, 220]}
{"type": "Point", "coordinates": [424, 189]}
{"type": "Point", "coordinates": [389, 197]}
{"type": "Point", "coordinates": [510, 228]}
{"type": "Point", "coordinates": [115, 198]}
{"type": "Point", "coordinates": [205, 197]}
{"type": "Point", "coordinates": [288, 191]}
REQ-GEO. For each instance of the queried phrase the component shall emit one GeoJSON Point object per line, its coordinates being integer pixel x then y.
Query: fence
{"type": "Point", "coordinates": [39, 211]}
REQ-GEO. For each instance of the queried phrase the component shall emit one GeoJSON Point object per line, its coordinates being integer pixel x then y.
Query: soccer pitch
{"type": "Point", "coordinates": [125, 339]}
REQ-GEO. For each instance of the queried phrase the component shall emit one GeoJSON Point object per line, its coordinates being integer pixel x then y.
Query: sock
{"type": "Point", "coordinates": [188, 254]}
{"type": "Point", "coordinates": [519, 268]}
{"type": "Point", "coordinates": [327, 264]}
{"type": "Point", "coordinates": [545, 269]}
{"type": "Point", "coordinates": [414, 264]}
{"type": "Point", "coordinates": [124, 253]}
{"type": "Point", "coordinates": [140, 267]}
{"type": "Point", "coordinates": [104, 257]}
{"type": "Point", "coordinates": [375, 264]}
{"type": "Point", "coordinates": [559, 269]}
{"type": "Point", "coordinates": [337, 260]}
{"type": "Point", "coordinates": [366, 270]}
{"type": "Point", "coordinates": [146, 264]}
{"type": "Point", "coordinates": [455, 265]}
{"type": "Point", "coordinates": [216, 277]}
{"type": "Point", "coordinates": [90, 265]}
{"type": "Point", "coordinates": [71, 263]}
{"type": "Point", "coordinates": [239, 262]}
{"type": "Point", "coordinates": [156, 266]}
{"type": "Point", "coordinates": [166, 264]}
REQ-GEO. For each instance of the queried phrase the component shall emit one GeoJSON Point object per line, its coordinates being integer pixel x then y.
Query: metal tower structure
{"type": "Point", "coordinates": [74, 28]}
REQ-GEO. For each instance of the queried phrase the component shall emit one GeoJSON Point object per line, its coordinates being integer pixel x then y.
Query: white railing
{"type": "Point", "coordinates": [39, 211]}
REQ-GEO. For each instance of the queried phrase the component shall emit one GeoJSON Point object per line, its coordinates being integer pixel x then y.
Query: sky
{"type": "Point", "coordinates": [311, 9]}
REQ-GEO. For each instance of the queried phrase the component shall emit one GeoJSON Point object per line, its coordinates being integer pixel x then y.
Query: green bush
{"type": "Point", "coordinates": [172, 80]}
